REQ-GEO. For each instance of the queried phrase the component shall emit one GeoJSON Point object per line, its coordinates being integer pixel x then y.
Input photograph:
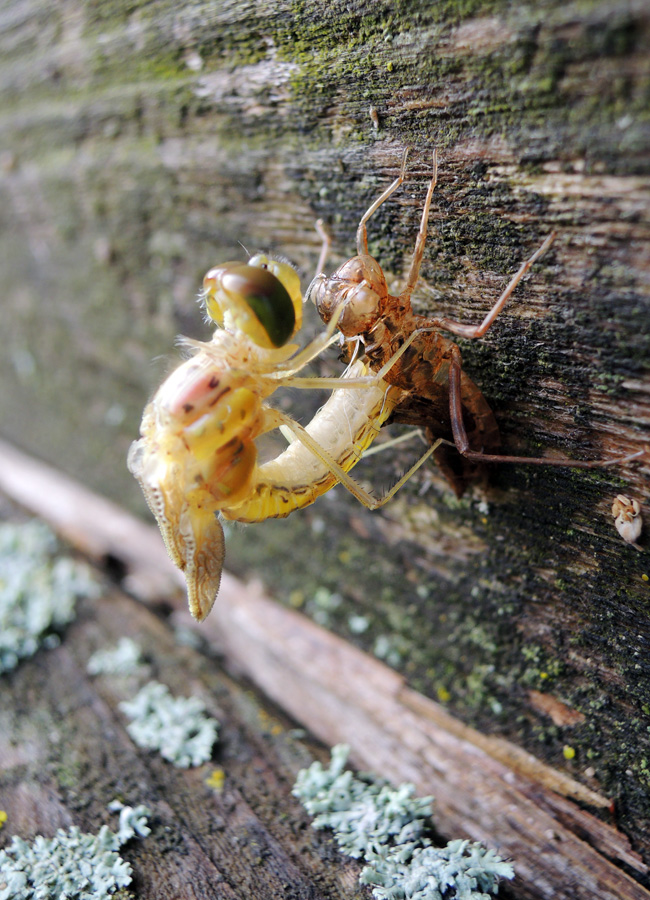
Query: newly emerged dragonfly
{"type": "Point", "coordinates": [409, 352]}
{"type": "Point", "coordinates": [197, 457]}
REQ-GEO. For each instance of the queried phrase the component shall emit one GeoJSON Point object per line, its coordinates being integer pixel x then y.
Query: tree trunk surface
{"type": "Point", "coordinates": [143, 143]}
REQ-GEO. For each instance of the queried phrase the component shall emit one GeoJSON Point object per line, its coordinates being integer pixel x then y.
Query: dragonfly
{"type": "Point", "coordinates": [197, 458]}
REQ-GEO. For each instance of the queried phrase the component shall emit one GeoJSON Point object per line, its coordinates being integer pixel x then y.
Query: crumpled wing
{"type": "Point", "coordinates": [205, 549]}
{"type": "Point", "coordinates": [193, 535]}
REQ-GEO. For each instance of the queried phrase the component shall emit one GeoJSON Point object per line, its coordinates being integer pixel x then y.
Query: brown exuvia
{"type": "Point", "coordinates": [409, 352]}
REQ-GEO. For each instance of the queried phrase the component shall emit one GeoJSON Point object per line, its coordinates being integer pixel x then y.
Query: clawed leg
{"type": "Point", "coordinates": [462, 443]}
{"type": "Point", "coordinates": [476, 331]}
{"type": "Point", "coordinates": [362, 235]}
{"type": "Point", "coordinates": [416, 262]}
{"type": "Point", "coordinates": [393, 442]}
{"type": "Point", "coordinates": [458, 328]}
{"type": "Point", "coordinates": [325, 246]}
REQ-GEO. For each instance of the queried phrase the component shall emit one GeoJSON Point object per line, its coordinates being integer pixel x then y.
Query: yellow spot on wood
{"type": "Point", "coordinates": [216, 780]}
{"type": "Point", "coordinates": [296, 599]}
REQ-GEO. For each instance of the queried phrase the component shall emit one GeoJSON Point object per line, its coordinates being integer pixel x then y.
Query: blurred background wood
{"type": "Point", "coordinates": [142, 142]}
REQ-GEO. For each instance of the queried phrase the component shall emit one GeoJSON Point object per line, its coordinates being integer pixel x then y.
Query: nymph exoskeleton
{"type": "Point", "coordinates": [627, 519]}
{"type": "Point", "coordinates": [197, 456]}
{"type": "Point", "coordinates": [409, 352]}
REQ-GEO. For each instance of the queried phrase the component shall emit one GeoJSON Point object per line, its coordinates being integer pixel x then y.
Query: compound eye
{"type": "Point", "coordinates": [251, 300]}
{"type": "Point", "coordinates": [287, 275]}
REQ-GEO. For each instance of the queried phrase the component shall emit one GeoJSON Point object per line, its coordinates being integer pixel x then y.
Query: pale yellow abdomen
{"type": "Point", "coordinates": [344, 428]}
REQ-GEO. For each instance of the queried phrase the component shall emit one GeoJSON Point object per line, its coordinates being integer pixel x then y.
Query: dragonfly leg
{"type": "Point", "coordinates": [416, 262]}
{"type": "Point", "coordinates": [476, 331]}
{"type": "Point", "coordinates": [361, 494]}
{"type": "Point", "coordinates": [362, 234]}
{"type": "Point", "coordinates": [462, 443]}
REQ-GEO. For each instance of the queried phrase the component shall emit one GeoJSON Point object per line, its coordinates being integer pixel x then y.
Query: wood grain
{"type": "Point", "coordinates": [485, 789]}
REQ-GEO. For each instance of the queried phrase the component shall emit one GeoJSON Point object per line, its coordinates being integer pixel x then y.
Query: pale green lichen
{"type": "Point", "coordinates": [72, 865]}
{"type": "Point", "coordinates": [37, 592]}
{"type": "Point", "coordinates": [124, 659]}
{"type": "Point", "coordinates": [323, 605]}
{"type": "Point", "coordinates": [358, 624]}
{"type": "Point", "coordinates": [176, 727]}
{"type": "Point", "coordinates": [361, 813]}
{"type": "Point", "coordinates": [461, 870]}
{"type": "Point", "coordinates": [385, 826]}
{"type": "Point", "coordinates": [387, 647]}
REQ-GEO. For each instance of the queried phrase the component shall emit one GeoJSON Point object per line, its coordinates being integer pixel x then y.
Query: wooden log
{"type": "Point", "coordinates": [142, 143]}
{"type": "Point", "coordinates": [65, 756]}
{"type": "Point", "coordinates": [485, 788]}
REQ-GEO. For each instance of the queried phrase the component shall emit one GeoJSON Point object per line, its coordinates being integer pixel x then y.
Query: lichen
{"type": "Point", "coordinates": [361, 813]}
{"type": "Point", "coordinates": [37, 592]}
{"type": "Point", "coordinates": [462, 870]}
{"type": "Point", "coordinates": [386, 827]}
{"type": "Point", "coordinates": [124, 659]}
{"type": "Point", "coordinates": [176, 727]}
{"type": "Point", "coordinates": [72, 865]}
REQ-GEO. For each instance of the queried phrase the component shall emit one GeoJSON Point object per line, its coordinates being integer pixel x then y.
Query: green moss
{"type": "Point", "coordinates": [113, 11]}
{"type": "Point", "coordinates": [535, 92]}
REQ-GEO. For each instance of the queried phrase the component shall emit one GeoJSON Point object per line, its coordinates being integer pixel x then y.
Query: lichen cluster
{"type": "Point", "coordinates": [123, 659]}
{"type": "Point", "coordinates": [176, 727]}
{"type": "Point", "coordinates": [72, 865]}
{"type": "Point", "coordinates": [385, 827]}
{"type": "Point", "coordinates": [37, 591]}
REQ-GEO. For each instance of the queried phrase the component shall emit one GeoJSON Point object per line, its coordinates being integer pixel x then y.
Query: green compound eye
{"type": "Point", "coordinates": [257, 291]}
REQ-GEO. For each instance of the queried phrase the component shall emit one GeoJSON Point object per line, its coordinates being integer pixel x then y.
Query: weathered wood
{"type": "Point", "coordinates": [485, 788]}
{"type": "Point", "coordinates": [65, 755]}
{"type": "Point", "coordinates": [141, 143]}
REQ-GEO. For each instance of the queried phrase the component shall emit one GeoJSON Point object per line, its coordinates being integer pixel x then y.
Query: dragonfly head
{"type": "Point", "coordinates": [356, 293]}
{"type": "Point", "coordinates": [260, 298]}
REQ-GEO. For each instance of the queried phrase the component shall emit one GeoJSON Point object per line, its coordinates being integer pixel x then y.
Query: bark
{"type": "Point", "coordinates": [143, 142]}
{"type": "Point", "coordinates": [485, 788]}
{"type": "Point", "coordinates": [66, 755]}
